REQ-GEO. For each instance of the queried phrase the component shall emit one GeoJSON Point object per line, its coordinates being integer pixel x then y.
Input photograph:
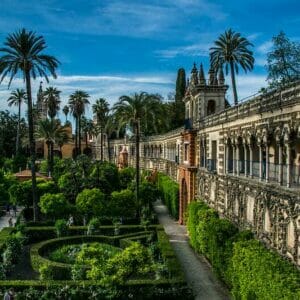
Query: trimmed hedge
{"type": "Point", "coordinates": [252, 271]}
{"type": "Point", "coordinates": [4, 234]}
{"type": "Point", "coordinates": [169, 190]}
{"type": "Point", "coordinates": [36, 234]}
{"type": "Point", "coordinates": [163, 289]}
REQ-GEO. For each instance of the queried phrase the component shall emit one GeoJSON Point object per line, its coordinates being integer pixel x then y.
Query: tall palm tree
{"type": "Point", "coordinates": [111, 127]}
{"type": "Point", "coordinates": [51, 131]}
{"type": "Point", "coordinates": [232, 50]}
{"type": "Point", "coordinates": [88, 128]}
{"type": "Point", "coordinates": [77, 102]}
{"type": "Point", "coordinates": [133, 110]}
{"type": "Point", "coordinates": [52, 98]}
{"type": "Point", "coordinates": [16, 98]}
{"type": "Point", "coordinates": [23, 53]}
{"type": "Point", "coordinates": [101, 110]}
{"type": "Point", "coordinates": [66, 111]}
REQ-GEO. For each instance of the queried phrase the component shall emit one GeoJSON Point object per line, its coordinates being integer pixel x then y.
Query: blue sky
{"type": "Point", "coordinates": [115, 47]}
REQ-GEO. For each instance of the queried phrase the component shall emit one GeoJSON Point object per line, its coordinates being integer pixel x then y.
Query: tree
{"type": "Point", "coordinates": [101, 110]}
{"type": "Point", "coordinates": [232, 50]}
{"type": "Point", "coordinates": [51, 131]}
{"type": "Point", "coordinates": [87, 128]}
{"type": "Point", "coordinates": [66, 111]}
{"type": "Point", "coordinates": [123, 204]}
{"type": "Point", "coordinates": [54, 205]}
{"type": "Point", "coordinates": [23, 52]}
{"type": "Point", "coordinates": [178, 107]}
{"type": "Point", "coordinates": [16, 98]}
{"type": "Point", "coordinates": [77, 102]}
{"type": "Point", "coordinates": [52, 98]}
{"type": "Point", "coordinates": [90, 202]}
{"type": "Point", "coordinates": [283, 62]}
{"type": "Point", "coordinates": [134, 110]}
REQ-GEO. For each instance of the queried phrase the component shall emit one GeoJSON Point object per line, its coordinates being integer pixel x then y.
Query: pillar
{"type": "Point", "coordinates": [233, 159]}
{"type": "Point", "coordinates": [267, 163]}
{"type": "Point", "coordinates": [226, 159]}
{"type": "Point", "coordinates": [251, 160]}
{"type": "Point", "coordinates": [288, 165]}
{"type": "Point", "coordinates": [280, 163]}
{"type": "Point", "coordinates": [260, 162]}
{"type": "Point", "coordinates": [238, 160]}
{"type": "Point", "coordinates": [245, 160]}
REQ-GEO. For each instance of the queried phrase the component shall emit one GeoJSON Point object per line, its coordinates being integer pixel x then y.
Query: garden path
{"type": "Point", "coordinates": [197, 271]}
{"type": "Point", "coordinates": [4, 219]}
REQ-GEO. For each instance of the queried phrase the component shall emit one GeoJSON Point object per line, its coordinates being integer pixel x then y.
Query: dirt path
{"type": "Point", "coordinates": [198, 273]}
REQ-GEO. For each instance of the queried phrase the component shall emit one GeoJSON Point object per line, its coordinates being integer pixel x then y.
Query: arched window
{"type": "Point", "coordinates": [211, 107]}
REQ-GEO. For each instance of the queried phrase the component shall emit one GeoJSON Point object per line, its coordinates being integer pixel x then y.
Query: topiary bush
{"type": "Point", "coordinates": [126, 176]}
{"type": "Point", "coordinates": [123, 204]}
{"type": "Point", "coordinates": [91, 202]}
{"type": "Point", "coordinates": [169, 190]}
{"type": "Point", "coordinates": [54, 205]}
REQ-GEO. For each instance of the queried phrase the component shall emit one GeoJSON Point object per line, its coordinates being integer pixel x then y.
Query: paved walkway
{"type": "Point", "coordinates": [4, 219]}
{"type": "Point", "coordinates": [198, 273]}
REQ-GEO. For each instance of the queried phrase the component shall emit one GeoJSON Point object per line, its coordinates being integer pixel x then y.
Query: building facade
{"type": "Point", "coordinates": [244, 160]}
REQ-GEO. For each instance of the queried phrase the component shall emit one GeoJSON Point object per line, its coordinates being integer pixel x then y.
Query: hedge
{"type": "Point", "coordinates": [36, 234]}
{"type": "Point", "coordinates": [4, 234]}
{"type": "Point", "coordinates": [245, 265]}
{"type": "Point", "coordinates": [163, 289]}
{"type": "Point", "coordinates": [169, 190]}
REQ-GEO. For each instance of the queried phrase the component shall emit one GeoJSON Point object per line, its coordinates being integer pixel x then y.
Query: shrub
{"type": "Point", "coordinates": [148, 193]}
{"type": "Point", "coordinates": [169, 190]}
{"type": "Point", "coordinates": [61, 228]}
{"type": "Point", "coordinates": [126, 176]}
{"type": "Point", "coordinates": [94, 226]}
{"type": "Point", "coordinates": [91, 202]}
{"type": "Point", "coordinates": [47, 187]}
{"type": "Point", "coordinates": [123, 204]}
{"type": "Point", "coordinates": [252, 271]}
{"type": "Point", "coordinates": [46, 272]}
{"type": "Point", "coordinates": [54, 205]}
{"type": "Point", "coordinates": [69, 185]}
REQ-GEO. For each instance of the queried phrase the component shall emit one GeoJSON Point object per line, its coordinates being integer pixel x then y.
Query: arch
{"type": "Point", "coordinates": [211, 107]}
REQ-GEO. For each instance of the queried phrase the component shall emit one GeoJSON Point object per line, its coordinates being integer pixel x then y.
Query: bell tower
{"type": "Point", "coordinates": [204, 97]}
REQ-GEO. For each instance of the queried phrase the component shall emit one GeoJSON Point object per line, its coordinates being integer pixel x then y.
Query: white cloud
{"type": "Point", "coordinates": [106, 86]}
{"type": "Point", "coordinates": [265, 47]}
{"type": "Point", "coordinates": [200, 49]}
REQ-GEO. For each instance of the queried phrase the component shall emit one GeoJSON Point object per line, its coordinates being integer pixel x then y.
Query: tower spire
{"type": "Point", "coordinates": [194, 75]}
{"type": "Point", "coordinates": [221, 77]}
{"type": "Point", "coordinates": [201, 75]}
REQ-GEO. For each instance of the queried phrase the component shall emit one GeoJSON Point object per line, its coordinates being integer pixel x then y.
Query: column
{"type": "Point", "coordinates": [245, 160]}
{"type": "Point", "coordinates": [251, 160]}
{"type": "Point", "coordinates": [280, 163]}
{"type": "Point", "coordinates": [260, 162]}
{"type": "Point", "coordinates": [233, 160]}
{"type": "Point", "coordinates": [238, 160]}
{"type": "Point", "coordinates": [288, 165]}
{"type": "Point", "coordinates": [204, 154]}
{"type": "Point", "coordinates": [226, 159]}
{"type": "Point", "coordinates": [267, 163]}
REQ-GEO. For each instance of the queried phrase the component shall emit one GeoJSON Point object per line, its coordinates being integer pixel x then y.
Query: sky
{"type": "Point", "coordinates": [110, 48]}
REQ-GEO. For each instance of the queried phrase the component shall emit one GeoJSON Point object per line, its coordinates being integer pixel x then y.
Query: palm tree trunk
{"type": "Point", "coordinates": [108, 149]}
{"type": "Point", "coordinates": [79, 135]}
{"type": "Point", "coordinates": [48, 157]}
{"type": "Point", "coordinates": [137, 163]}
{"type": "Point", "coordinates": [32, 145]}
{"type": "Point", "coordinates": [18, 130]}
{"type": "Point", "coordinates": [76, 133]}
{"type": "Point", "coordinates": [86, 140]}
{"type": "Point", "coordinates": [51, 157]}
{"type": "Point", "coordinates": [101, 143]}
{"type": "Point", "coordinates": [235, 96]}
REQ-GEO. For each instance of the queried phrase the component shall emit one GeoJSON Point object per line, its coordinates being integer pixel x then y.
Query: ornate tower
{"type": "Point", "coordinates": [41, 104]}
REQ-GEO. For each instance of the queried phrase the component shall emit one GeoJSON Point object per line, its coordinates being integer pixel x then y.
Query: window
{"type": "Point", "coordinates": [211, 107]}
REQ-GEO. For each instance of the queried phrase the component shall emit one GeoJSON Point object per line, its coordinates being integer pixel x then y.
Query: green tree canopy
{"type": "Point", "coordinates": [54, 205]}
{"type": "Point", "coordinates": [283, 61]}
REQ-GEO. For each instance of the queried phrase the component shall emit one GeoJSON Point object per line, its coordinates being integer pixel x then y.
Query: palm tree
{"type": "Point", "coordinates": [52, 98]}
{"type": "Point", "coordinates": [23, 52]}
{"type": "Point", "coordinates": [133, 110]}
{"type": "Point", "coordinates": [17, 97]}
{"type": "Point", "coordinates": [231, 50]}
{"type": "Point", "coordinates": [101, 110]}
{"type": "Point", "coordinates": [66, 111]}
{"type": "Point", "coordinates": [51, 131]}
{"type": "Point", "coordinates": [77, 102]}
{"type": "Point", "coordinates": [110, 128]}
{"type": "Point", "coordinates": [88, 128]}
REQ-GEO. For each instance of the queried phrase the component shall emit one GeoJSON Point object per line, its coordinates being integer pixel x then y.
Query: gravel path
{"type": "Point", "coordinates": [198, 273]}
